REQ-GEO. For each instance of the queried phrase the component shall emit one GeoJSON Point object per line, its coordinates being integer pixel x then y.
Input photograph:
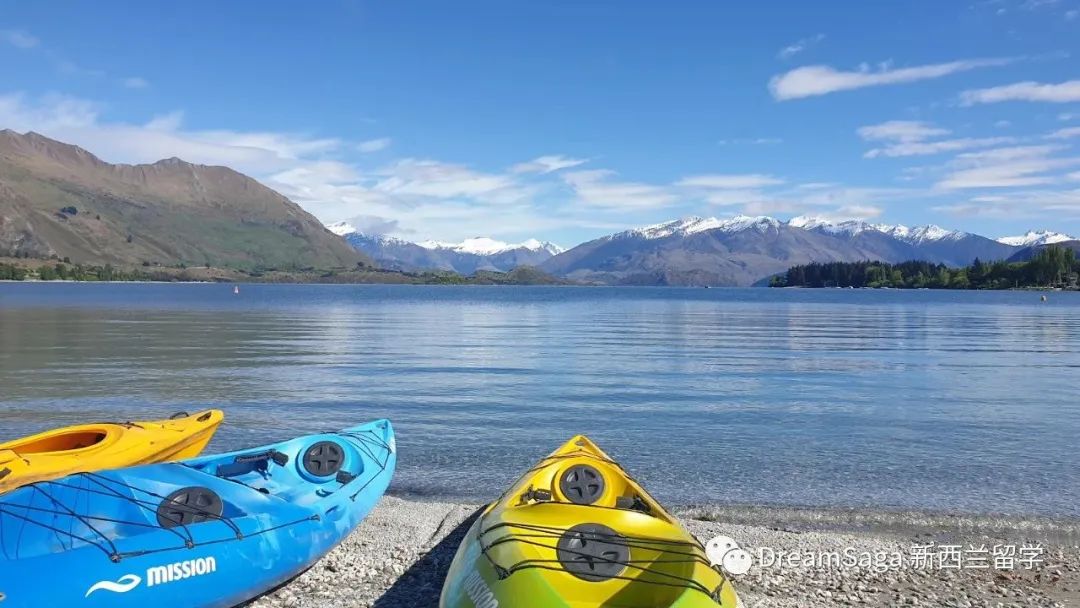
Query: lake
{"type": "Point", "coordinates": [954, 401]}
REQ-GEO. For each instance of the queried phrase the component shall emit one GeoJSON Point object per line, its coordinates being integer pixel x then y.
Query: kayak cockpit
{"type": "Point", "coordinates": [66, 441]}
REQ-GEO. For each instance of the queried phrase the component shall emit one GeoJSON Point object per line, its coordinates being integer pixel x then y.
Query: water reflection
{"type": "Point", "coordinates": [949, 401]}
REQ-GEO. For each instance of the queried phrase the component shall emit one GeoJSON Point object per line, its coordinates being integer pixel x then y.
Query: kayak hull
{"type": "Point", "coordinates": [106, 445]}
{"type": "Point", "coordinates": [275, 520]}
{"type": "Point", "coordinates": [521, 550]}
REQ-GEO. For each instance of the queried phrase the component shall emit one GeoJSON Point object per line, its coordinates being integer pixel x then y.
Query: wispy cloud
{"type": "Point", "coordinates": [78, 121]}
{"type": "Point", "coordinates": [134, 82]}
{"type": "Point", "coordinates": [729, 181]}
{"type": "Point", "coordinates": [24, 40]}
{"type": "Point", "coordinates": [1034, 5]}
{"type": "Point", "coordinates": [900, 130]}
{"type": "Point", "coordinates": [799, 46]}
{"type": "Point", "coordinates": [547, 164]}
{"type": "Point", "coordinates": [1063, 92]}
{"type": "Point", "coordinates": [909, 138]}
{"type": "Point", "coordinates": [71, 68]}
{"type": "Point", "coordinates": [927, 148]}
{"type": "Point", "coordinates": [598, 188]}
{"type": "Point", "coordinates": [19, 39]}
{"type": "Point", "coordinates": [751, 141]}
{"type": "Point", "coordinates": [373, 145]}
{"type": "Point", "coordinates": [1066, 133]}
{"type": "Point", "coordinates": [436, 179]}
{"type": "Point", "coordinates": [811, 81]}
{"type": "Point", "coordinates": [1006, 168]}
{"type": "Point", "coordinates": [1054, 204]}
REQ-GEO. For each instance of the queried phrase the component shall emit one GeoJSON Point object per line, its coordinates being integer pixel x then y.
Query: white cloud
{"type": "Point", "coordinates": [727, 198]}
{"type": "Point", "coordinates": [1003, 124]}
{"type": "Point", "coordinates": [909, 138]}
{"type": "Point", "coordinates": [926, 148]}
{"type": "Point", "coordinates": [436, 179]}
{"type": "Point", "coordinates": [900, 130]}
{"type": "Point", "coordinates": [751, 141]}
{"type": "Point", "coordinates": [1034, 5]}
{"type": "Point", "coordinates": [1006, 168]}
{"type": "Point", "coordinates": [1011, 153]}
{"type": "Point", "coordinates": [19, 39]}
{"type": "Point", "coordinates": [134, 82]}
{"type": "Point", "coordinates": [1072, 14]}
{"type": "Point", "coordinates": [547, 164]}
{"type": "Point", "coordinates": [78, 121]}
{"type": "Point", "coordinates": [427, 198]}
{"type": "Point", "coordinates": [1065, 116]}
{"type": "Point", "coordinates": [373, 145]}
{"type": "Point", "coordinates": [799, 46]}
{"type": "Point", "coordinates": [1063, 92]}
{"type": "Point", "coordinates": [70, 68]}
{"type": "Point", "coordinates": [729, 182]}
{"type": "Point", "coordinates": [810, 81]}
{"type": "Point", "coordinates": [1065, 133]}
{"type": "Point", "coordinates": [1054, 204]}
{"type": "Point", "coordinates": [596, 188]}
{"type": "Point", "coordinates": [1073, 177]}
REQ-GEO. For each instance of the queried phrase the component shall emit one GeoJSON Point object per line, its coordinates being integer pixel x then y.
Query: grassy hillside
{"type": "Point", "coordinates": [58, 200]}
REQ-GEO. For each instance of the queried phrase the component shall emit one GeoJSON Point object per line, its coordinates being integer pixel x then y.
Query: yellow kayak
{"type": "Point", "coordinates": [104, 445]}
{"type": "Point", "coordinates": [577, 531]}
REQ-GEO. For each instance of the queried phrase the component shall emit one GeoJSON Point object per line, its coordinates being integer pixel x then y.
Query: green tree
{"type": "Point", "coordinates": [960, 279]}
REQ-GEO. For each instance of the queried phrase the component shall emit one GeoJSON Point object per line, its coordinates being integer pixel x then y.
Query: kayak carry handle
{"type": "Point", "coordinates": [245, 463]}
{"type": "Point", "coordinates": [279, 458]}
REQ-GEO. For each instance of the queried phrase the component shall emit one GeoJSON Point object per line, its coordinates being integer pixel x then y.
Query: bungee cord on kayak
{"type": "Point", "coordinates": [628, 541]}
{"type": "Point", "coordinates": [577, 529]}
{"type": "Point", "coordinates": [277, 508]}
{"type": "Point", "coordinates": [183, 514]}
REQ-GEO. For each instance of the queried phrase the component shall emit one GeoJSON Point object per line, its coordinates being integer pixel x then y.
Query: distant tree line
{"type": "Point", "coordinates": [72, 272]}
{"type": "Point", "coordinates": [1050, 267]}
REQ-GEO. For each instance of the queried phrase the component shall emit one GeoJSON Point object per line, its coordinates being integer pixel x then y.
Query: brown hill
{"type": "Point", "coordinates": [60, 200]}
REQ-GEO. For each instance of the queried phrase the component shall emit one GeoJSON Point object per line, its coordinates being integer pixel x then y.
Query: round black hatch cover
{"type": "Point", "coordinates": [188, 506]}
{"type": "Point", "coordinates": [582, 484]}
{"type": "Point", "coordinates": [593, 552]}
{"type": "Point", "coordinates": [324, 458]}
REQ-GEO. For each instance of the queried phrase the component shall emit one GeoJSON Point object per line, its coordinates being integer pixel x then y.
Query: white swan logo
{"type": "Point", "coordinates": [122, 585]}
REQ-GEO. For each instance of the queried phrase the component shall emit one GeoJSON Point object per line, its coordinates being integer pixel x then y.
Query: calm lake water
{"type": "Point", "coordinates": [883, 399]}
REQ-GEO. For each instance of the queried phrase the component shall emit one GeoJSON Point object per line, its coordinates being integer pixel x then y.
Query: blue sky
{"type": "Point", "coordinates": [567, 120]}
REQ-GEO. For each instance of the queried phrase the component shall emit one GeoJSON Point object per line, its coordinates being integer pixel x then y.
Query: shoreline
{"type": "Point", "coordinates": [844, 519]}
{"type": "Point", "coordinates": [399, 556]}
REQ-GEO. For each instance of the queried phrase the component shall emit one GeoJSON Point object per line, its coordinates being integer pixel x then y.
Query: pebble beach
{"type": "Point", "coordinates": [399, 556]}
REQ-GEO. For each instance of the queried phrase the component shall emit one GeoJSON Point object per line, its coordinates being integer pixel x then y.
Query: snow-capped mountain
{"type": "Point", "coordinates": [467, 257]}
{"type": "Point", "coordinates": [917, 234]}
{"type": "Point", "coordinates": [694, 225]}
{"type": "Point", "coordinates": [1036, 237]}
{"type": "Point", "coordinates": [739, 250]}
{"type": "Point", "coordinates": [744, 250]}
{"type": "Point", "coordinates": [483, 245]}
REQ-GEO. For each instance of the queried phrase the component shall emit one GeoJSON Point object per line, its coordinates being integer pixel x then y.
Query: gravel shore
{"type": "Point", "coordinates": [399, 556]}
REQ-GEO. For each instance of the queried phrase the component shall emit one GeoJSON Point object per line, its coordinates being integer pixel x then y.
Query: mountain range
{"type": "Point", "coordinates": [467, 257]}
{"type": "Point", "coordinates": [737, 251]}
{"type": "Point", "coordinates": [58, 200]}
{"type": "Point", "coordinates": [61, 201]}
{"type": "Point", "coordinates": [745, 250]}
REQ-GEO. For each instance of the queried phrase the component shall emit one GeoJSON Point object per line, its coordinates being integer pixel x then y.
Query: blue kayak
{"type": "Point", "coordinates": [208, 532]}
